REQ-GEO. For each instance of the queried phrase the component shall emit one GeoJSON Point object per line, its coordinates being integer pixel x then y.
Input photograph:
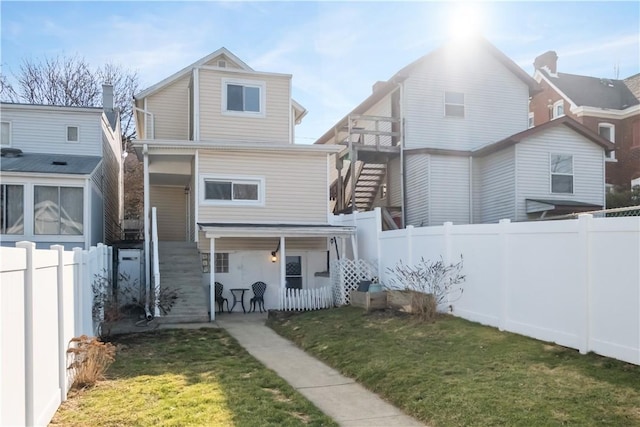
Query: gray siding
{"type": "Point", "coordinates": [395, 184]}
{"type": "Point", "coordinates": [496, 102]}
{"type": "Point", "coordinates": [533, 171]}
{"type": "Point", "coordinates": [448, 189]}
{"type": "Point", "coordinates": [417, 185]}
{"type": "Point", "coordinates": [494, 185]}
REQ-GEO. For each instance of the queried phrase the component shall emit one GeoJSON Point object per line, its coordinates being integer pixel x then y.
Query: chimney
{"type": "Point", "coordinates": [549, 60]}
{"type": "Point", "coordinates": [107, 97]}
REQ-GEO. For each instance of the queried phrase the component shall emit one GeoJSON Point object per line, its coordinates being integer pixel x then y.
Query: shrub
{"type": "Point", "coordinates": [429, 284]}
{"type": "Point", "coordinates": [90, 359]}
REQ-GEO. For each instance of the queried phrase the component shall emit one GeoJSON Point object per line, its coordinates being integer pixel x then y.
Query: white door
{"type": "Point", "coordinates": [130, 276]}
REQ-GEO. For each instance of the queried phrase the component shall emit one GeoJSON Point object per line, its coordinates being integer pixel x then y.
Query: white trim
{"type": "Point", "coordinates": [531, 121]}
{"type": "Point", "coordinates": [185, 145]}
{"type": "Point", "coordinates": [77, 134]}
{"type": "Point", "coordinates": [558, 103]}
{"type": "Point", "coordinates": [257, 231]}
{"type": "Point", "coordinates": [196, 105]}
{"type": "Point", "coordinates": [540, 76]}
{"type": "Point", "coordinates": [612, 138]}
{"type": "Point", "coordinates": [10, 133]}
{"type": "Point", "coordinates": [234, 179]}
{"type": "Point", "coordinates": [604, 113]}
{"type": "Point", "coordinates": [291, 115]}
{"type": "Point", "coordinates": [55, 108]}
{"type": "Point", "coordinates": [196, 184]}
{"type": "Point", "coordinates": [261, 85]}
{"type": "Point", "coordinates": [572, 174]}
{"type": "Point", "coordinates": [242, 71]}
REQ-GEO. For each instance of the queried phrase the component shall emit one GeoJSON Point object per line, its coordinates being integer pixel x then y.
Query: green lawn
{"type": "Point", "coordinates": [188, 377]}
{"type": "Point", "coordinates": [457, 373]}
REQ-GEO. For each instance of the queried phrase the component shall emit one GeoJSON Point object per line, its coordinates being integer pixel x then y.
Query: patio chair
{"type": "Point", "coordinates": [258, 289]}
{"type": "Point", "coordinates": [220, 299]}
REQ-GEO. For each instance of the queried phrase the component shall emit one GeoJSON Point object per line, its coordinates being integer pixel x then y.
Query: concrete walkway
{"type": "Point", "coordinates": [341, 398]}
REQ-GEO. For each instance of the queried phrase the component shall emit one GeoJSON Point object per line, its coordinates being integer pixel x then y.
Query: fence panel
{"type": "Point", "coordinates": [306, 299]}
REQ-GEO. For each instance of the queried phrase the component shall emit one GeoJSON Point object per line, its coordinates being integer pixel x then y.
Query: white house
{"type": "Point", "coordinates": [441, 141]}
{"type": "Point", "coordinates": [61, 174]}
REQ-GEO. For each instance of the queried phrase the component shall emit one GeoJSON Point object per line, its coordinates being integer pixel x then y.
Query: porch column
{"type": "Point", "coordinates": [145, 215]}
{"type": "Point", "coordinates": [354, 244]}
{"type": "Point", "coordinates": [212, 278]}
{"type": "Point", "coordinates": [283, 265]}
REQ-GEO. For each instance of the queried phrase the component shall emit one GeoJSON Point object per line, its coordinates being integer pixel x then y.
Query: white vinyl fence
{"type": "Point", "coordinates": [306, 299]}
{"type": "Point", "coordinates": [46, 299]}
{"type": "Point", "coordinates": [573, 282]}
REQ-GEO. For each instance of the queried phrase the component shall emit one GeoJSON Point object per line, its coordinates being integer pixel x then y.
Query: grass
{"type": "Point", "coordinates": [457, 373]}
{"type": "Point", "coordinates": [187, 378]}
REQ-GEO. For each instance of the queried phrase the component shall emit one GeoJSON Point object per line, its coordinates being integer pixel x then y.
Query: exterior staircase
{"type": "Point", "coordinates": [181, 270]}
{"type": "Point", "coordinates": [368, 184]}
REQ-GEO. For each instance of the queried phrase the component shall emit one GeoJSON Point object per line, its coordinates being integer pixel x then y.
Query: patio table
{"type": "Point", "coordinates": [238, 293]}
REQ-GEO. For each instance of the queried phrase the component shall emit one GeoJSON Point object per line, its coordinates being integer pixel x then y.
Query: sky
{"type": "Point", "coordinates": [335, 50]}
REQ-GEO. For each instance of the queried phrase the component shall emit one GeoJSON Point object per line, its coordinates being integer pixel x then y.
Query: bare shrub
{"type": "Point", "coordinates": [90, 359]}
{"type": "Point", "coordinates": [427, 285]}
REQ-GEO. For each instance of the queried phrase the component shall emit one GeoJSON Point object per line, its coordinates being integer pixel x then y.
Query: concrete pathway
{"type": "Point", "coordinates": [341, 398]}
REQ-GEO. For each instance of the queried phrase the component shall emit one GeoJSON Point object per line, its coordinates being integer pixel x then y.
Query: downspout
{"type": "Point", "coordinates": [403, 202]}
{"type": "Point", "coordinates": [147, 258]}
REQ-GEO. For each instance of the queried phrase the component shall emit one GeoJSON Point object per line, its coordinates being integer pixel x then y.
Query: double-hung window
{"type": "Point", "coordinates": [11, 209]}
{"type": "Point", "coordinates": [73, 134]}
{"type": "Point", "coordinates": [243, 97]}
{"type": "Point", "coordinates": [5, 135]}
{"type": "Point", "coordinates": [561, 173]}
{"type": "Point", "coordinates": [608, 132]}
{"type": "Point", "coordinates": [58, 210]}
{"type": "Point", "coordinates": [454, 104]}
{"type": "Point", "coordinates": [223, 191]}
{"type": "Point", "coordinates": [558, 109]}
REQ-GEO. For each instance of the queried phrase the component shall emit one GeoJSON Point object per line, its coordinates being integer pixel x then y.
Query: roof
{"type": "Point", "coordinates": [633, 83]}
{"type": "Point", "coordinates": [384, 88]}
{"type": "Point", "coordinates": [226, 229]}
{"type": "Point", "coordinates": [561, 121]}
{"type": "Point", "coordinates": [593, 91]}
{"type": "Point", "coordinates": [63, 108]}
{"type": "Point", "coordinates": [44, 163]}
{"type": "Point", "coordinates": [572, 203]}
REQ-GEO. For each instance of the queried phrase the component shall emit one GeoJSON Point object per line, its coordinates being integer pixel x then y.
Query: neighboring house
{"type": "Point", "coordinates": [229, 185]}
{"type": "Point", "coordinates": [606, 106]}
{"type": "Point", "coordinates": [444, 140]}
{"type": "Point", "coordinates": [61, 174]}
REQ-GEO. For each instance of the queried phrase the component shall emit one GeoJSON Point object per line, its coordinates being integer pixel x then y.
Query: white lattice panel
{"type": "Point", "coordinates": [345, 276]}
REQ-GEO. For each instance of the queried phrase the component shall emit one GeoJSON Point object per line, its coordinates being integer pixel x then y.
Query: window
{"type": "Point", "coordinates": [294, 272]}
{"type": "Point", "coordinates": [12, 209]}
{"type": "Point", "coordinates": [222, 262]}
{"type": "Point", "coordinates": [243, 97]}
{"type": "Point", "coordinates": [454, 104]}
{"type": "Point", "coordinates": [58, 210]}
{"type": "Point", "coordinates": [531, 120]}
{"type": "Point", "coordinates": [607, 131]}
{"type": "Point", "coordinates": [562, 173]}
{"type": "Point", "coordinates": [233, 190]}
{"type": "Point", "coordinates": [73, 134]}
{"type": "Point", "coordinates": [558, 109]}
{"type": "Point", "coordinates": [5, 137]}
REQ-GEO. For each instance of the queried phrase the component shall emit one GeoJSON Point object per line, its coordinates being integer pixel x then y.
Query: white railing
{"type": "Point", "coordinates": [306, 299]}
{"type": "Point", "coordinates": [46, 299]}
{"type": "Point", "coordinates": [155, 260]}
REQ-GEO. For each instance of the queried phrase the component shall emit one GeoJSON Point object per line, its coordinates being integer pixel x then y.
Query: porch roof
{"type": "Point", "coordinates": [222, 229]}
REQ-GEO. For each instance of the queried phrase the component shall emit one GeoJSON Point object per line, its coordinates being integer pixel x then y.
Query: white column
{"type": "Point", "coordinates": [212, 278]}
{"type": "Point", "coordinates": [283, 265]}
{"type": "Point", "coordinates": [145, 214]}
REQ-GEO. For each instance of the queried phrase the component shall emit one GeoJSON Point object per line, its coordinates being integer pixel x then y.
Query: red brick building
{"type": "Point", "coordinates": [608, 107]}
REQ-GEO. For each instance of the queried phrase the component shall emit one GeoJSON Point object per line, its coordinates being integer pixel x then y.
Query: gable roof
{"type": "Point", "coordinates": [633, 83]}
{"type": "Point", "coordinates": [562, 121]}
{"type": "Point", "coordinates": [382, 89]}
{"type": "Point", "coordinates": [222, 51]}
{"type": "Point", "coordinates": [44, 163]}
{"type": "Point", "coordinates": [592, 91]}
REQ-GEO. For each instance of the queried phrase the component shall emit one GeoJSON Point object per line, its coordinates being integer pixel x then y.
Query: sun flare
{"type": "Point", "coordinates": [466, 20]}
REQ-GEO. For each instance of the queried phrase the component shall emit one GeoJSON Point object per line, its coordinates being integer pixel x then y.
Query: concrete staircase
{"type": "Point", "coordinates": [181, 270]}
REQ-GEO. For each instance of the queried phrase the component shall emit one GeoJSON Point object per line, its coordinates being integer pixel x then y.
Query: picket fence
{"type": "Point", "coordinates": [46, 299]}
{"type": "Point", "coordinates": [306, 299]}
{"type": "Point", "coordinates": [574, 282]}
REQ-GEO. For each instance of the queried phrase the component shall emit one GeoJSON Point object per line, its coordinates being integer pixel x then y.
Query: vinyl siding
{"type": "Point", "coordinates": [496, 102]}
{"type": "Point", "coordinates": [533, 173]}
{"type": "Point", "coordinates": [216, 126]}
{"type": "Point", "coordinates": [295, 186]}
{"type": "Point", "coordinates": [448, 189]}
{"type": "Point", "coordinates": [227, 244]}
{"type": "Point", "coordinates": [45, 131]}
{"type": "Point", "coordinates": [495, 186]}
{"type": "Point", "coordinates": [394, 192]}
{"type": "Point", "coordinates": [417, 185]}
{"type": "Point", "coordinates": [229, 63]}
{"type": "Point", "coordinates": [170, 207]}
{"type": "Point", "coordinates": [111, 182]}
{"type": "Point", "coordinates": [170, 109]}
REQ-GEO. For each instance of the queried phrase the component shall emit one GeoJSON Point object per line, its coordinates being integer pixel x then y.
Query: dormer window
{"type": "Point", "coordinates": [243, 97]}
{"type": "Point", "coordinates": [73, 134]}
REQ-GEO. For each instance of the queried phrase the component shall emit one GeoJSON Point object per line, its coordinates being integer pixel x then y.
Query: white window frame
{"type": "Point", "coordinates": [572, 174]}
{"type": "Point", "coordinates": [612, 133]}
{"type": "Point", "coordinates": [85, 221]}
{"type": "Point", "coordinates": [445, 103]}
{"type": "Point", "coordinates": [531, 121]}
{"type": "Point", "coordinates": [260, 181]}
{"type": "Point", "coordinates": [4, 207]}
{"type": "Point", "coordinates": [2, 144]}
{"type": "Point", "coordinates": [559, 103]}
{"type": "Point", "coordinates": [67, 134]}
{"type": "Point", "coordinates": [261, 85]}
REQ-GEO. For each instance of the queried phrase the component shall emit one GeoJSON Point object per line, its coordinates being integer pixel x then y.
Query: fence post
{"type": "Point", "coordinates": [584, 277]}
{"type": "Point", "coordinates": [29, 416]}
{"type": "Point", "coordinates": [87, 293]}
{"type": "Point", "coordinates": [446, 258]}
{"type": "Point", "coordinates": [409, 234]}
{"type": "Point", "coordinates": [504, 272]}
{"type": "Point", "coordinates": [77, 292]}
{"type": "Point", "coordinates": [378, 250]}
{"type": "Point", "coordinates": [62, 353]}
